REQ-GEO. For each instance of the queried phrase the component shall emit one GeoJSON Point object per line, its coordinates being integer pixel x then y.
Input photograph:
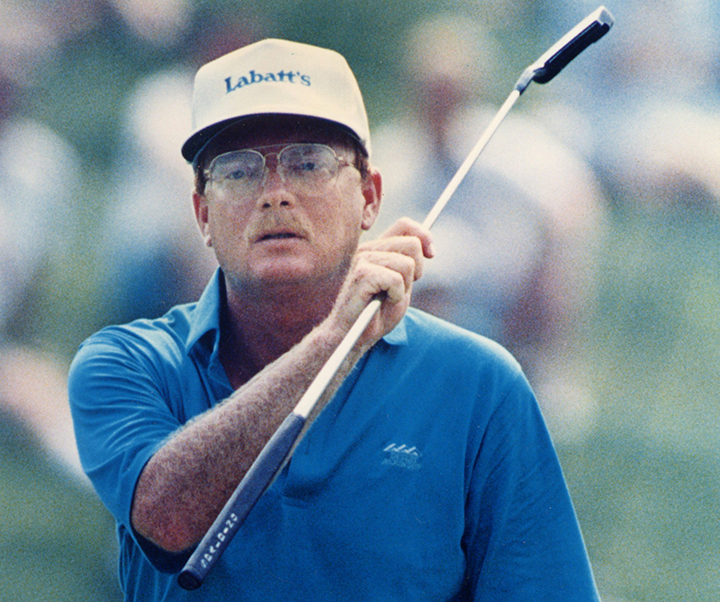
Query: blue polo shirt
{"type": "Point", "coordinates": [429, 477]}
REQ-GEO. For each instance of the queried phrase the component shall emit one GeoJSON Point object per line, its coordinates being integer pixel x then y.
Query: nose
{"type": "Point", "coordinates": [273, 192]}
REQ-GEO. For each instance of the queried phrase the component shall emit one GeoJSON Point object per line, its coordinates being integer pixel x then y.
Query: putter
{"type": "Point", "coordinates": [278, 449]}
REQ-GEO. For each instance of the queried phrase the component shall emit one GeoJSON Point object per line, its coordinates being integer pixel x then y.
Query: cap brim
{"type": "Point", "coordinates": [199, 140]}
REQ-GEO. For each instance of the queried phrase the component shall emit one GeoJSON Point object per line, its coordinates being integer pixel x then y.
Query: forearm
{"type": "Point", "coordinates": [187, 482]}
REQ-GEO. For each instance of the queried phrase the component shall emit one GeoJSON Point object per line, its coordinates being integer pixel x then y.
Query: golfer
{"type": "Point", "coordinates": [428, 475]}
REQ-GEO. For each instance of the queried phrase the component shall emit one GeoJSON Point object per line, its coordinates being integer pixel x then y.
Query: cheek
{"type": "Point", "coordinates": [226, 227]}
{"type": "Point", "coordinates": [344, 229]}
{"type": "Point", "coordinates": [339, 223]}
{"type": "Point", "coordinates": [350, 208]}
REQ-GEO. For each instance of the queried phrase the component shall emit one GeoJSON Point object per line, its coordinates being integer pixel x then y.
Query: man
{"type": "Point", "coordinates": [429, 474]}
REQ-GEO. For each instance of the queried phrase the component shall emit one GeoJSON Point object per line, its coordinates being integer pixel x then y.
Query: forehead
{"type": "Point", "coordinates": [276, 129]}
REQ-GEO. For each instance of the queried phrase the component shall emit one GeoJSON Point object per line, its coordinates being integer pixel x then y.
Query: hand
{"type": "Point", "coordinates": [387, 267]}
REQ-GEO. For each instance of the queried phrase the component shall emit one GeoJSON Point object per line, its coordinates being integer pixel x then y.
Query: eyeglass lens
{"type": "Point", "coordinates": [302, 166]}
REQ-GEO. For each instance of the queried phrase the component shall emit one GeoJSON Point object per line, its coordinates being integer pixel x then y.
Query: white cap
{"type": "Point", "coordinates": [275, 76]}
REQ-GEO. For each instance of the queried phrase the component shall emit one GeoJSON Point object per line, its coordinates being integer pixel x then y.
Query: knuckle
{"type": "Point", "coordinates": [361, 274]}
{"type": "Point", "coordinates": [407, 224]}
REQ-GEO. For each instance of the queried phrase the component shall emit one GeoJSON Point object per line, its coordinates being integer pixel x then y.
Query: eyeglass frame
{"type": "Point", "coordinates": [341, 161]}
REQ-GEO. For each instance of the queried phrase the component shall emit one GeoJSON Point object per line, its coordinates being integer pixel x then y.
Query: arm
{"type": "Point", "coordinates": [217, 448]}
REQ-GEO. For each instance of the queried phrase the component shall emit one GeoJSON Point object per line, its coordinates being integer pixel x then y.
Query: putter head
{"type": "Point", "coordinates": [588, 31]}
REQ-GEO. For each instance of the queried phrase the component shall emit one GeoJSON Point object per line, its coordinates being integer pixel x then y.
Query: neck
{"type": "Point", "coordinates": [259, 327]}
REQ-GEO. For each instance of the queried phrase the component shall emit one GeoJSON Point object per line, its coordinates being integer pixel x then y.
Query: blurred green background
{"type": "Point", "coordinates": [645, 475]}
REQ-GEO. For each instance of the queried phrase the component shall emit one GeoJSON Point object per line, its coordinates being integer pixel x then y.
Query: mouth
{"type": "Point", "coordinates": [278, 236]}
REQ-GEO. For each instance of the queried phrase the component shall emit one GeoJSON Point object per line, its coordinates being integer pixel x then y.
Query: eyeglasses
{"type": "Point", "coordinates": [303, 168]}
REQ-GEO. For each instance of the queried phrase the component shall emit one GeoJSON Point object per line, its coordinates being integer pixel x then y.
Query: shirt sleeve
{"type": "Point", "coordinates": [121, 418]}
{"type": "Point", "coordinates": [522, 538]}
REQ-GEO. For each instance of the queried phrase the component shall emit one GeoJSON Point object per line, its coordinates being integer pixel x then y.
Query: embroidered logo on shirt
{"type": "Point", "coordinates": [402, 456]}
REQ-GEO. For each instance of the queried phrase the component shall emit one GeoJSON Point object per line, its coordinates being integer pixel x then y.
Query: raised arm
{"type": "Point", "coordinates": [187, 481]}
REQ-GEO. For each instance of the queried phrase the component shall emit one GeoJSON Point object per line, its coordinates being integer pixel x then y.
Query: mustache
{"type": "Point", "coordinates": [276, 222]}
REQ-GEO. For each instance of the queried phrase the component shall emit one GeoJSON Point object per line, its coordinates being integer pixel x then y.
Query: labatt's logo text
{"type": "Point", "coordinates": [292, 77]}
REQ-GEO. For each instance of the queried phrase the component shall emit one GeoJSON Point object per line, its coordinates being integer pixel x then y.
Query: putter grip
{"type": "Point", "coordinates": [237, 508]}
{"type": "Point", "coordinates": [595, 30]}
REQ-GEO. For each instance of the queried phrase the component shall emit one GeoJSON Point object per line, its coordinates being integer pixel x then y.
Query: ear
{"type": "Point", "coordinates": [372, 193]}
{"type": "Point", "coordinates": [200, 206]}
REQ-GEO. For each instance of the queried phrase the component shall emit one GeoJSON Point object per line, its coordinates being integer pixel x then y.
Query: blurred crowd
{"type": "Point", "coordinates": [95, 212]}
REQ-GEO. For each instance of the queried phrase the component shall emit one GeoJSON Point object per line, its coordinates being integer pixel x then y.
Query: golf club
{"type": "Point", "coordinates": [277, 451]}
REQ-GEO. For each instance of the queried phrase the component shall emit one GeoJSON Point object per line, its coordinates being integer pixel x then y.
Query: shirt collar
{"type": "Point", "coordinates": [206, 317]}
{"type": "Point", "coordinates": [398, 335]}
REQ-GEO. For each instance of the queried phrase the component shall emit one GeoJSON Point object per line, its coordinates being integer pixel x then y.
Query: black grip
{"type": "Point", "coordinates": [248, 492]}
{"type": "Point", "coordinates": [589, 30]}
{"type": "Point", "coordinates": [558, 61]}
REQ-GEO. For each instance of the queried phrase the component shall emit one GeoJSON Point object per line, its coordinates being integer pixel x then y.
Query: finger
{"type": "Point", "coordinates": [404, 265]}
{"type": "Point", "coordinates": [409, 246]}
{"type": "Point", "coordinates": [408, 227]}
{"type": "Point", "coordinates": [367, 280]}
{"type": "Point", "coordinates": [392, 284]}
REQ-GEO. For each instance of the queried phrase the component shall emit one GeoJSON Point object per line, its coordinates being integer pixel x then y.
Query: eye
{"type": "Point", "coordinates": [238, 168]}
{"type": "Point", "coordinates": [241, 173]}
{"type": "Point", "coordinates": [238, 174]}
{"type": "Point", "coordinates": [302, 161]}
{"type": "Point", "coordinates": [306, 166]}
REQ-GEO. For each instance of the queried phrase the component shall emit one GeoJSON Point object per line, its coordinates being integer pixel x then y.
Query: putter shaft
{"type": "Point", "coordinates": [279, 448]}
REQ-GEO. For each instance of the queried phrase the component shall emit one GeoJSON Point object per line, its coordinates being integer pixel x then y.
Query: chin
{"type": "Point", "coordinates": [293, 273]}
{"type": "Point", "coordinates": [299, 270]}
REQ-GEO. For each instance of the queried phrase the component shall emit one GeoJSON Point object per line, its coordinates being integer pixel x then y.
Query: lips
{"type": "Point", "coordinates": [278, 236]}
